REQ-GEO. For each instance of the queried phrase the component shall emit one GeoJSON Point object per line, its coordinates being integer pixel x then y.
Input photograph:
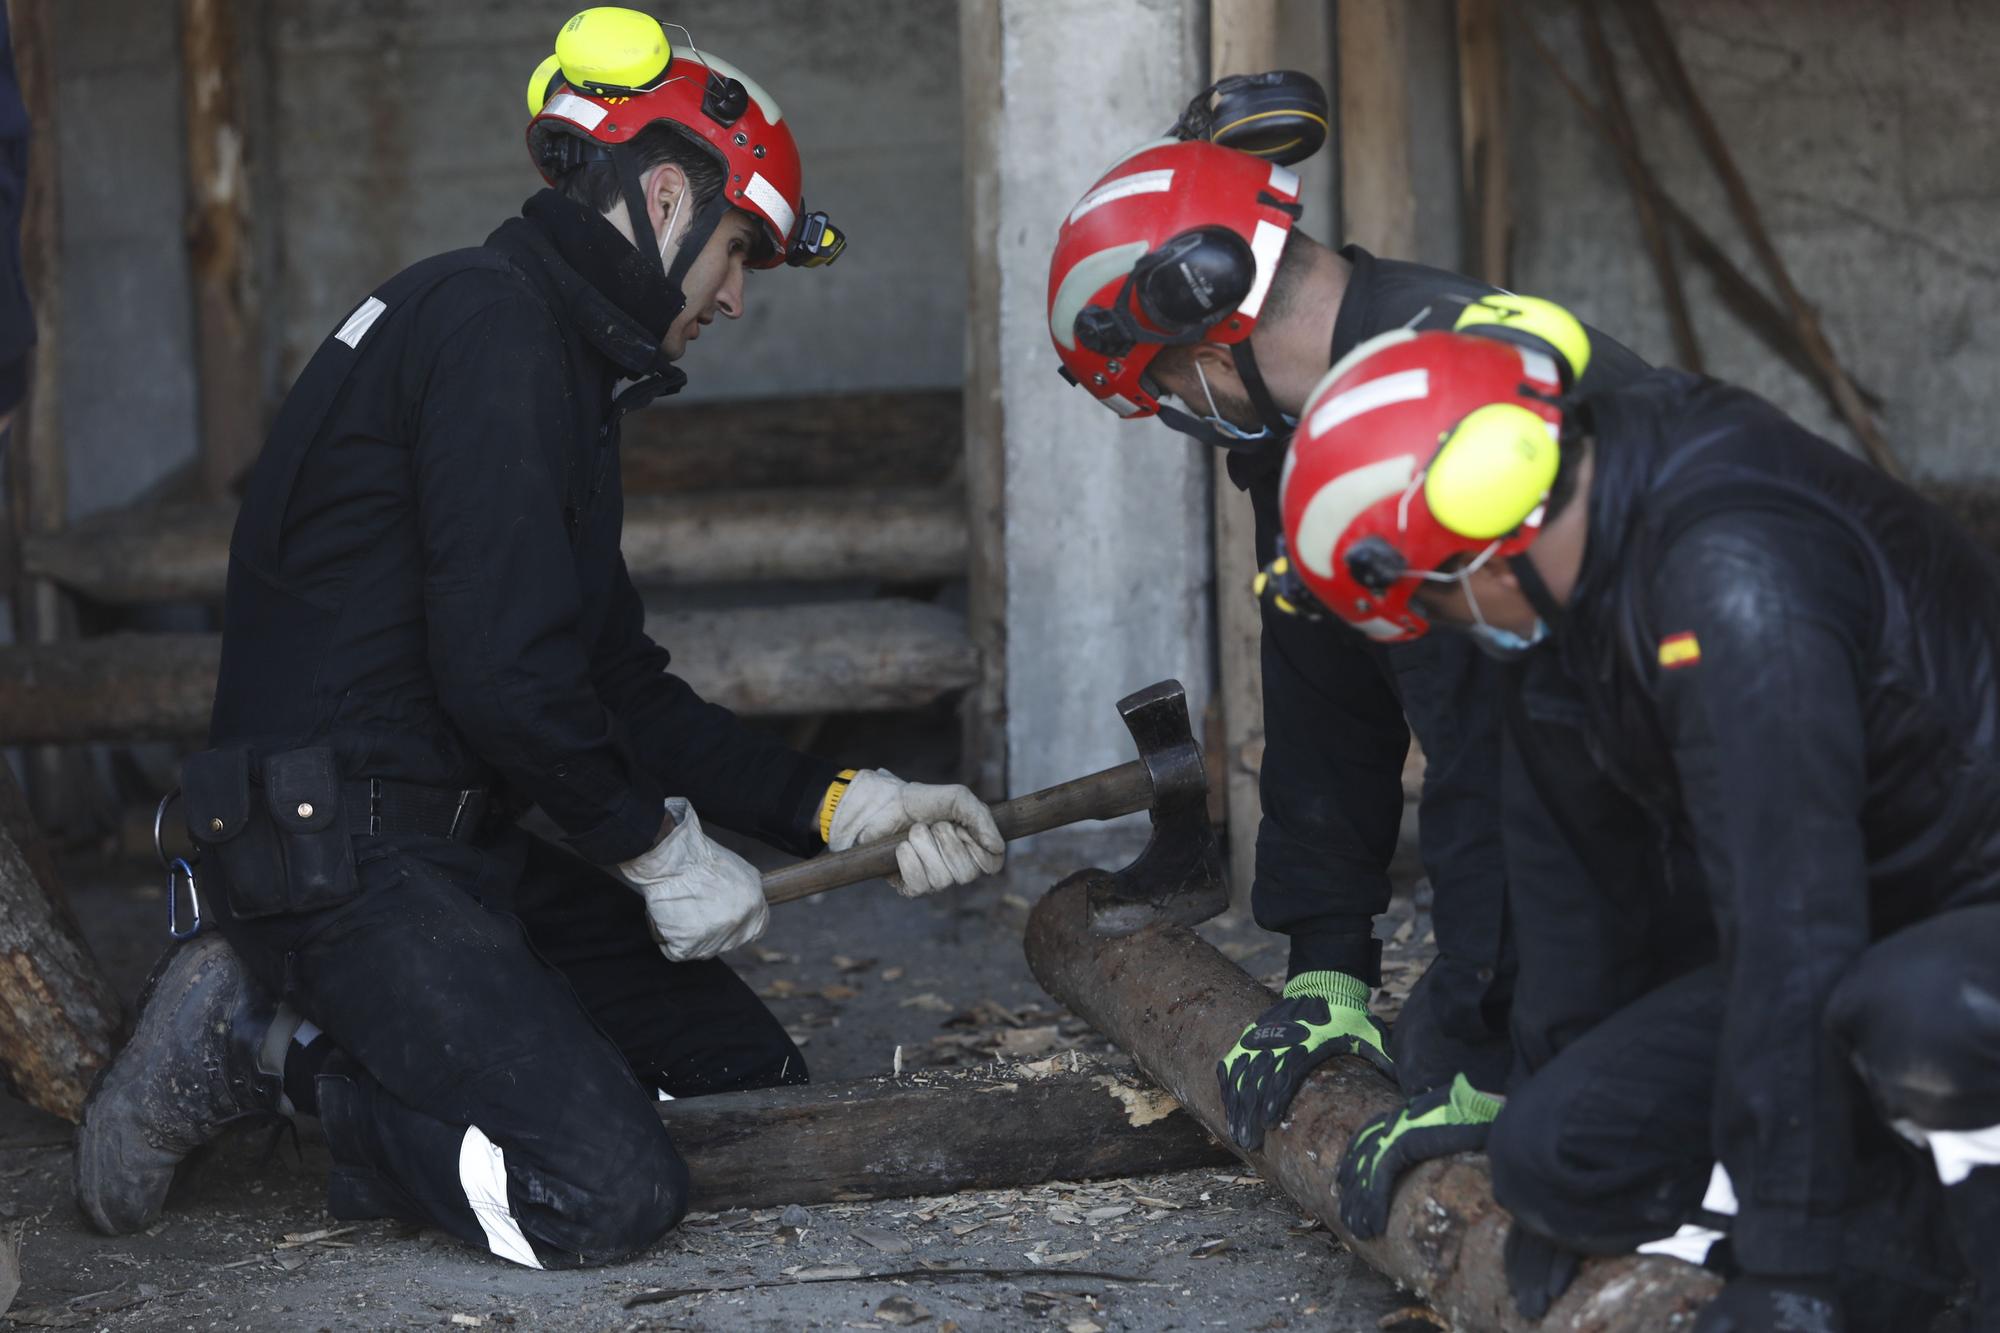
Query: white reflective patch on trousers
{"type": "Point", "coordinates": [1692, 1243]}
{"type": "Point", "coordinates": [482, 1170]}
{"type": "Point", "coordinates": [1958, 1152]}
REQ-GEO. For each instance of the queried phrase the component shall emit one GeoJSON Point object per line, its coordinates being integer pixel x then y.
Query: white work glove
{"type": "Point", "coordinates": [948, 833]}
{"type": "Point", "coordinates": [701, 898]}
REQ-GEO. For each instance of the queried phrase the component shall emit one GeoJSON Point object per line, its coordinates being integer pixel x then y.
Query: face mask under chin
{"type": "Point", "coordinates": [1502, 644]}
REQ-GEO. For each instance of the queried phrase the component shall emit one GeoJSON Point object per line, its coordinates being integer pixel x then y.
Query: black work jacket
{"type": "Point", "coordinates": [1792, 660]}
{"type": "Point", "coordinates": [426, 575]}
{"type": "Point", "coordinates": [1335, 734]}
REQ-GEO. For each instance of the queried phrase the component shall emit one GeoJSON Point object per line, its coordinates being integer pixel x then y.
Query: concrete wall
{"type": "Point", "coordinates": [1106, 545]}
{"type": "Point", "coordinates": [400, 125]}
{"type": "Point", "coordinates": [1870, 136]}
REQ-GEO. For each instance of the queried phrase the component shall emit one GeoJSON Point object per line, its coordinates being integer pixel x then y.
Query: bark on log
{"type": "Point", "coordinates": [932, 1132]}
{"type": "Point", "coordinates": [857, 439]}
{"type": "Point", "coordinates": [58, 1015]}
{"type": "Point", "coordinates": [829, 657]}
{"type": "Point", "coordinates": [181, 552]}
{"type": "Point", "coordinates": [1172, 1002]}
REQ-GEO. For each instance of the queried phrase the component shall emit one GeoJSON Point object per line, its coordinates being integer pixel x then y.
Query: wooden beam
{"type": "Point", "coordinates": [904, 438]}
{"type": "Point", "coordinates": [1376, 196]}
{"type": "Point", "coordinates": [829, 657]}
{"type": "Point", "coordinates": [1173, 1003]}
{"type": "Point", "coordinates": [932, 1132]}
{"type": "Point", "coordinates": [181, 552]}
{"type": "Point", "coordinates": [58, 1015]}
{"type": "Point", "coordinates": [1243, 38]}
{"type": "Point", "coordinates": [1482, 111]}
{"type": "Point", "coordinates": [229, 379]}
{"type": "Point", "coordinates": [983, 743]}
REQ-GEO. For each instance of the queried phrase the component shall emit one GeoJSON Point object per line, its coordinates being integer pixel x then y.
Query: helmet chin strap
{"type": "Point", "coordinates": [1536, 590]}
{"type": "Point", "coordinates": [700, 227]}
{"type": "Point", "coordinates": [1267, 408]}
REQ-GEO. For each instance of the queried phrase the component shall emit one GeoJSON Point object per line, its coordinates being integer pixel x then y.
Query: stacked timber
{"type": "Point", "coordinates": [865, 499]}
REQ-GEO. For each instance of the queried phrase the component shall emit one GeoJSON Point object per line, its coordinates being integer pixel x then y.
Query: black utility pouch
{"type": "Point", "coordinates": [276, 846]}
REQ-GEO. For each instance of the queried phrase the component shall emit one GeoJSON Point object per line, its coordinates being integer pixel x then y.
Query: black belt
{"type": "Point", "coordinates": [384, 806]}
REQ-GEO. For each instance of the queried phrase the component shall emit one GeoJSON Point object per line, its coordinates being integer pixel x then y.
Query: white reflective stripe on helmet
{"type": "Point", "coordinates": [1402, 387]}
{"type": "Point", "coordinates": [579, 110]}
{"type": "Point", "coordinates": [482, 1172]}
{"type": "Point", "coordinates": [1266, 244]}
{"type": "Point", "coordinates": [1337, 504]}
{"type": "Point", "coordinates": [765, 195]}
{"type": "Point", "coordinates": [1139, 182]}
{"type": "Point", "coordinates": [1081, 283]}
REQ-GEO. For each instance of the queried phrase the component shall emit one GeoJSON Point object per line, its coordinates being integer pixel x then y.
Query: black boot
{"type": "Point", "coordinates": [191, 1068]}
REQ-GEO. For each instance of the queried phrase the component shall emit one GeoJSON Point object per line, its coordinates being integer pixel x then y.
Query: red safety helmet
{"type": "Point", "coordinates": [1417, 448]}
{"type": "Point", "coordinates": [614, 73]}
{"type": "Point", "coordinates": [1175, 245]}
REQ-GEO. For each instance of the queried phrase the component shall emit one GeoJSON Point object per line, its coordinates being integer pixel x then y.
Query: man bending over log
{"type": "Point", "coordinates": [1789, 663]}
{"type": "Point", "coordinates": [430, 628]}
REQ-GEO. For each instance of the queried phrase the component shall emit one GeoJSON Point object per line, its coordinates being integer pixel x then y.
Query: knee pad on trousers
{"type": "Point", "coordinates": [641, 1195]}
{"type": "Point", "coordinates": [1924, 1038]}
{"type": "Point", "coordinates": [1524, 1150]}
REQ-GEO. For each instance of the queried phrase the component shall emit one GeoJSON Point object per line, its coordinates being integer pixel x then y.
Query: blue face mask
{"type": "Point", "coordinates": [1494, 641]}
{"type": "Point", "coordinates": [1505, 644]}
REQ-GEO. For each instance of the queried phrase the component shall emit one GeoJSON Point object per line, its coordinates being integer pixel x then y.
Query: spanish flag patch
{"type": "Point", "coordinates": [1680, 650]}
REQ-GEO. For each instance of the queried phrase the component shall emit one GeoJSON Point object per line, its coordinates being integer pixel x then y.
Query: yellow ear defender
{"type": "Point", "coordinates": [1493, 471]}
{"type": "Point", "coordinates": [608, 52]}
{"type": "Point", "coordinates": [1506, 315]}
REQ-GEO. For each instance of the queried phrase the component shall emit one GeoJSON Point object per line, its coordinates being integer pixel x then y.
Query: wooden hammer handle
{"type": "Point", "coordinates": [1115, 791]}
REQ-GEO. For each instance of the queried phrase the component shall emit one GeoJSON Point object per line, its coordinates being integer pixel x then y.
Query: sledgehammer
{"type": "Point", "coordinates": [1178, 878]}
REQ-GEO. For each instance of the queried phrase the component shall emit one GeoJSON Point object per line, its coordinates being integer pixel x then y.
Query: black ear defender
{"type": "Point", "coordinates": [1280, 114]}
{"type": "Point", "coordinates": [1182, 288]}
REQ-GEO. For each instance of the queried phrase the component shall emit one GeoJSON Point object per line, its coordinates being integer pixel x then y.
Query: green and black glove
{"type": "Point", "coordinates": [1437, 1124]}
{"type": "Point", "coordinates": [1323, 1014]}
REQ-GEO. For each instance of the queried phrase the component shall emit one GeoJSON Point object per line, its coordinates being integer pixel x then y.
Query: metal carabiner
{"type": "Point", "coordinates": [159, 822]}
{"type": "Point", "coordinates": [175, 872]}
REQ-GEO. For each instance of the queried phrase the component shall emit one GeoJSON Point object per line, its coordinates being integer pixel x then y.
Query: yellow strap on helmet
{"type": "Point", "coordinates": [1531, 315]}
{"type": "Point", "coordinates": [1493, 471]}
{"type": "Point", "coordinates": [538, 83]}
{"type": "Point", "coordinates": [612, 50]}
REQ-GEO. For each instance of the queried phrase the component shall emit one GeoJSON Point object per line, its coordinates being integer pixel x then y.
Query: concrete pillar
{"type": "Point", "coordinates": [1102, 539]}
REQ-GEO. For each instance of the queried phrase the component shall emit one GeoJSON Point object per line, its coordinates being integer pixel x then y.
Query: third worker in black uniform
{"type": "Point", "coordinates": [1182, 274]}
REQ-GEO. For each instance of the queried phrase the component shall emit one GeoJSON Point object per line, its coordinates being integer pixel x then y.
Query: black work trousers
{"type": "Point", "coordinates": [1429, 1048]}
{"type": "Point", "coordinates": [1610, 1144]}
{"type": "Point", "coordinates": [503, 1019]}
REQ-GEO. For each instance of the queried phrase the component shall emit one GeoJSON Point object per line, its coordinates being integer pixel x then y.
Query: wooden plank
{"type": "Point", "coordinates": [1244, 38]}
{"type": "Point", "coordinates": [181, 552]}
{"type": "Point", "coordinates": [983, 744]}
{"type": "Point", "coordinates": [63, 793]}
{"type": "Point", "coordinates": [1482, 109]}
{"type": "Point", "coordinates": [58, 1014]}
{"type": "Point", "coordinates": [1376, 195]}
{"type": "Point", "coordinates": [907, 438]}
{"type": "Point", "coordinates": [221, 265]}
{"type": "Point", "coordinates": [830, 657]}
{"type": "Point", "coordinates": [1172, 1002]}
{"type": "Point", "coordinates": [933, 1132]}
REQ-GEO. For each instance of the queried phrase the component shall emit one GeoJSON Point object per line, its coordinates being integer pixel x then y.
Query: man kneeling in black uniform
{"type": "Point", "coordinates": [429, 628]}
{"type": "Point", "coordinates": [1790, 662]}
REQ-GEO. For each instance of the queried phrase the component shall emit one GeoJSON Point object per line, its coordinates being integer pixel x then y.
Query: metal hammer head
{"type": "Point", "coordinates": [1178, 878]}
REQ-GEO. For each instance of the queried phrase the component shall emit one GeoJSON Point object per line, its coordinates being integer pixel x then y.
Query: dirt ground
{"type": "Point", "coordinates": [855, 975]}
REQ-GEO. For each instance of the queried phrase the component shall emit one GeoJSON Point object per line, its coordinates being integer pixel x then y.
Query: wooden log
{"type": "Point", "coordinates": [1482, 115]}
{"type": "Point", "coordinates": [983, 720]}
{"type": "Point", "coordinates": [58, 1015]}
{"type": "Point", "coordinates": [181, 552]}
{"type": "Point", "coordinates": [933, 1132]}
{"type": "Point", "coordinates": [1172, 1002]}
{"type": "Point", "coordinates": [828, 657]}
{"type": "Point", "coordinates": [221, 267]}
{"type": "Point", "coordinates": [908, 438]}
{"type": "Point", "coordinates": [1376, 194]}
